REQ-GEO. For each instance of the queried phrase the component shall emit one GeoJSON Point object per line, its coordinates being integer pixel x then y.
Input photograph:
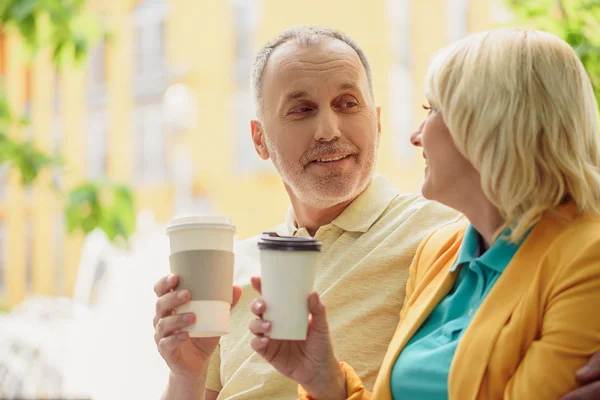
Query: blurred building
{"type": "Point", "coordinates": [109, 118]}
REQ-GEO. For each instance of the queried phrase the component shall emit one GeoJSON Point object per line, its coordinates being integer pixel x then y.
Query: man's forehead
{"type": "Point", "coordinates": [294, 64]}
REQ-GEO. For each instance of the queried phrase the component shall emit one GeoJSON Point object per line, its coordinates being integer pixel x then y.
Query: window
{"type": "Point", "coordinates": [29, 253]}
{"type": "Point", "coordinates": [59, 248]}
{"type": "Point", "coordinates": [400, 78]}
{"type": "Point", "coordinates": [244, 25]}
{"type": "Point", "coordinates": [57, 130]}
{"type": "Point", "coordinates": [458, 19]}
{"type": "Point", "coordinates": [245, 18]}
{"type": "Point", "coordinates": [149, 83]}
{"type": "Point", "coordinates": [97, 76]}
{"type": "Point", "coordinates": [96, 119]}
{"type": "Point", "coordinates": [150, 151]}
{"type": "Point", "coordinates": [97, 144]}
{"type": "Point", "coordinates": [149, 47]}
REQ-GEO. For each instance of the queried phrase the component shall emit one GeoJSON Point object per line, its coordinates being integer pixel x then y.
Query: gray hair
{"type": "Point", "coordinates": [304, 35]}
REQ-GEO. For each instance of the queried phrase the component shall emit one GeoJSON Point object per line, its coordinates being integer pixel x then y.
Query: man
{"type": "Point", "coordinates": [319, 124]}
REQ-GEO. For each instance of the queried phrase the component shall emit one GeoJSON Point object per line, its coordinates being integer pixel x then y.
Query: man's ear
{"type": "Point", "coordinates": [378, 110]}
{"type": "Point", "coordinates": [258, 139]}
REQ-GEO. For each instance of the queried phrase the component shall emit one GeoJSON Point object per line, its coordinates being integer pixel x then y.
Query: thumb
{"type": "Point", "coordinates": [318, 314]}
{"type": "Point", "coordinates": [237, 293]}
{"type": "Point", "coordinates": [591, 371]}
{"type": "Point", "coordinates": [256, 284]}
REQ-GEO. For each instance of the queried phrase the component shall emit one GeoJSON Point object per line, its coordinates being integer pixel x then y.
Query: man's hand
{"type": "Point", "coordinates": [186, 357]}
{"type": "Point", "coordinates": [311, 362]}
{"type": "Point", "coordinates": [589, 378]}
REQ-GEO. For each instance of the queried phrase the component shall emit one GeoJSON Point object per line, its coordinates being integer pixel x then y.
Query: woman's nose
{"type": "Point", "coordinates": [415, 138]}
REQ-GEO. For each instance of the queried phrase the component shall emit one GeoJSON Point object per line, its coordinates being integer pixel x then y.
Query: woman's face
{"type": "Point", "coordinates": [449, 176]}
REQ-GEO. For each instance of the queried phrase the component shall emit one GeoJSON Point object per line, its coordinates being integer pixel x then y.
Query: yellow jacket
{"type": "Point", "coordinates": [537, 327]}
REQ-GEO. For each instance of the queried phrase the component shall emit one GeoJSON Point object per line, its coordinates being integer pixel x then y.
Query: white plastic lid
{"type": "Point", "coordinates": [200, 221]}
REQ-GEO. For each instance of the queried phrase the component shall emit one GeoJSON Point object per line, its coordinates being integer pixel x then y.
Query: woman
{"type": "Point", "coordinates": [503, 303]}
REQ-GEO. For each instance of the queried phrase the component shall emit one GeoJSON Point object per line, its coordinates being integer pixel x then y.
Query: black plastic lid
{"type": "Point", "coordinates": [272, 241]}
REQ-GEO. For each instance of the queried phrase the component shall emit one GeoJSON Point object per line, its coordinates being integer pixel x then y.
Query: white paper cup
{"type": "Point", "coordinates": [202, 257]}
{"type": "Point", "coordinates": [288, 269]}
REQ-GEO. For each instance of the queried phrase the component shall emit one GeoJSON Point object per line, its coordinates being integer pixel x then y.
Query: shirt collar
{"type": "Point", "coordinates": [362, 213]}
{"type": "Point", "coordinates": [496, 257]}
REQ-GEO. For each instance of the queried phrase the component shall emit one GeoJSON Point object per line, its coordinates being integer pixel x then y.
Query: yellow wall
{"type": "Point", "coordinates": [200, 45]}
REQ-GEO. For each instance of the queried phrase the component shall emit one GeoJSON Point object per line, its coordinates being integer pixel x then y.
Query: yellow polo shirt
{"type": "Point", "coordinates": [362, 273]}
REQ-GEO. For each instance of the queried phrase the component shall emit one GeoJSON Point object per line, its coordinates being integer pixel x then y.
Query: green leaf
{"type": "Point", "coordinates": [22, 9]}
{"type": "Point", "coordinates": [4, 7]}
{"type": "Point", "coordinates": [102, 205]}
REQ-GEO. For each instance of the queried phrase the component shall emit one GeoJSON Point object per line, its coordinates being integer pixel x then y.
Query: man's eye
{"type": "Point", "coordinates": [301, 110]}
{"type": "Point", "coordinates": [348, 104]}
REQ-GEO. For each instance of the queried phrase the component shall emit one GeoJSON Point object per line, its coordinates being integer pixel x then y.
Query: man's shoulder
{"type": "Point", "coordinates": [250, 245]}
{"type": "Point", "coordinates": [247, 256]}
{"type": "Point", "coordinates": [413, 209]}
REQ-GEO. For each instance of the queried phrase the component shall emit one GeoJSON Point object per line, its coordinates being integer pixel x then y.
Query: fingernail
{"type": "Point", "coordinates": [183, 295]}
{"type": "Point", "coordinates": [171, 279]}
{"type": "Point", "coordinates": [182, 336]}
{"type": "Point", "coordinates": [264, 340]}
{"type": "Point", "coordinates": [584, 371]}
{"type": "Point", "coordinates": [188, 317]}
{"type": "Point", "coordinates": [266, 325]}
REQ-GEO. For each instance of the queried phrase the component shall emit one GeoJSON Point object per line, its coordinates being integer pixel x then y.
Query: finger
{"type": "Point", "coordinates": [170, 301]}
{"type": "Point", "coordinates": [260, 344]}
{"type": "Point", "coordinates": [259, 326]}
{"type": "Point", "coordinates": [166, 284]}
{"type": "Point", "coordinates": [237, 293]}
{"type": "Point", "coordinates": [166, 346]}
{"type": "Point", "coordinates": [258, 307]}
{"type": "Point", "coordinates": [589, 392]}
{"type": "Point", "coordinates": [256, 284]}
{"type": "Point", "coordinates": [318, 313]}
{"type": "Point", "coordinates": [170, 325]}
{"type": "Point", "coordinates": [591, 371]}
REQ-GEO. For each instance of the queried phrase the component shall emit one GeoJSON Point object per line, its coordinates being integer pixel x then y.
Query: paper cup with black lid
{"type": "Point", "coordinates": [202, 257]}
{"type": "Point", "coordinates": [288, 269]}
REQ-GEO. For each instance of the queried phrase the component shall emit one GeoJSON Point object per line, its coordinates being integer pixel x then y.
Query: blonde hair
{"type": "Point", "coordinates": [520, 107]}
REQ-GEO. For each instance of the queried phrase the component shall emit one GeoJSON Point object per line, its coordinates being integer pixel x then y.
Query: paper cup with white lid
{"type": "Point", "coordinates": [201, 250]}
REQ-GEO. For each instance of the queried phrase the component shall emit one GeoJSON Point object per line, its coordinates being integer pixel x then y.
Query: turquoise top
{"type": "Point", "coordinates": [422, 368]}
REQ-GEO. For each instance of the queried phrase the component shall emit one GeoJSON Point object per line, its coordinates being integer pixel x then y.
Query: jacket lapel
{"type": "Point", "coordinates": [420, 309]}
{"type": "Point", "coordinates": [474, 350]}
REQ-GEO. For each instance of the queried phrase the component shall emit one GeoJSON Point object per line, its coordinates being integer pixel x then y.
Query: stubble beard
{"type": "Point", "coordinates": [333, 188]}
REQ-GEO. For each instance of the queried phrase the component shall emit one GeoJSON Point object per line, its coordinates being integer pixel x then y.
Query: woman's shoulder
{"type": "Point", "coordinates": [441, 245]}
{"type": "Point", "coordinates": [575, 237]}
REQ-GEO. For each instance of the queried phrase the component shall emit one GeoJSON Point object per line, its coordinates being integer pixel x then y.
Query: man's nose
{"type": "Point", "coordinates": [327, 127]}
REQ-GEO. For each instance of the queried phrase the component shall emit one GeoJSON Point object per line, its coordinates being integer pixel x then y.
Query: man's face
{"type": "Point", "coordinates": [319, 122]}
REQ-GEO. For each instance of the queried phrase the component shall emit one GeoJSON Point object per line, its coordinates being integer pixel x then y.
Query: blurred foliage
{"type": "Point", "coordinates": [103, 205]}
{"type": "Point", "coordinates": [64, 27]}
{"type": "Point", "coordinates": [575, 21]}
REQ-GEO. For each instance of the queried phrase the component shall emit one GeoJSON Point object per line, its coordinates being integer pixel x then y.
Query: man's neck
{"type": "Point", "coordinates": [312, 218]}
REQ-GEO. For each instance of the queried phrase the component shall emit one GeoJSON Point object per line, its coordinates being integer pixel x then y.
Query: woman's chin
{"type": "Point", "coordinates": [426, 190]}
